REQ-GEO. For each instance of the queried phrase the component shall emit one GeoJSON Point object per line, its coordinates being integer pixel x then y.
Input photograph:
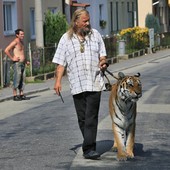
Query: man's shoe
{"type": "Point", "coordinates": [91, 155]}
{"type": "Point", "coordinates": [16, 98]}
{"type": "Point", "coordinates": [23, 97]}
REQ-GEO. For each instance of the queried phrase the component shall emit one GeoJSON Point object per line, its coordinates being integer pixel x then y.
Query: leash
{"type": "Point", "coordinates": [111, 74]}
{"type": "Point", "coordinates": [108, 85]}
{"type": "Point", "coordinates": [107, 64]}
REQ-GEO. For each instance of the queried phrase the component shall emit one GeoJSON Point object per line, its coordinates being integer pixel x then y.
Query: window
{"type": "Point", "coordinates": [32, 23]}
{"type": "Point", "coordinates": [117, 16]}
{"type": "Point", "coordinates": [111, 15]}
{"type": "Point", "coordinates": [130, 8]}
{"type": "Point", "coordinates": [101, 12]}
{"type": "Point", "coordinates": [9, 17]}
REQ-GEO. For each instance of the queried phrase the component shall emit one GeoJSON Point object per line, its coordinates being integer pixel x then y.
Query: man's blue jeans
{"type": "Point", "coordinates": [18, 76]}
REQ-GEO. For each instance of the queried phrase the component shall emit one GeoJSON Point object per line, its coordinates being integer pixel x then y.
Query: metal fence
{"type": "Point", "coordinates": [5, 70]}
{"type": "Point", "coordinates": [40, 58]}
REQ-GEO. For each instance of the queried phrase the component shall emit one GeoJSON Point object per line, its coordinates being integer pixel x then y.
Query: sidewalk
{"type": "Point", "coordinates": [6, 93]}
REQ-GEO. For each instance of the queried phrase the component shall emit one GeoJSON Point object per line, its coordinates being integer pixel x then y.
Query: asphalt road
{"type": "Point", "coordinates": [42, 133]}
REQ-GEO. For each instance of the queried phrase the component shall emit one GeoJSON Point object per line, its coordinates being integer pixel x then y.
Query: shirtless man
{"type": "Point", "coordinates": [15, 51]}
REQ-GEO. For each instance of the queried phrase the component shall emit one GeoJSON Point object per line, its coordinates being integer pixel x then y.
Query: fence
{"type": "Point", "coordinates": [4, 70]}
{"type": "Point", "coordinates": [40, 58]}
{"type": "Point", "coordinates": [2, 81]}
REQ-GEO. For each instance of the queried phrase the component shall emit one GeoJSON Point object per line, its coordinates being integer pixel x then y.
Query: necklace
{"type": "Point", "coordinates": [82, 48]}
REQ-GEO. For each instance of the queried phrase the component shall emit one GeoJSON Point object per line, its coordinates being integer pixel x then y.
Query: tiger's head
{"type": "Point", "coordinates": [129, 87]}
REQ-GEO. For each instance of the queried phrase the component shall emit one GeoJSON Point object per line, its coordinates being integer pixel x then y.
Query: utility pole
{"type": "Point", "coordinates": [39, 24]}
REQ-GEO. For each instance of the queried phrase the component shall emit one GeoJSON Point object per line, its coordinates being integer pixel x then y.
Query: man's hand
{"type": "Point", "coordinates": [15, 58]}
{"type": "Point", "coordinates": [27, 63]}
{"type": "Point", "coordinates": [103, 64]}
{"type": "Point", "coordinates": [57, 87]}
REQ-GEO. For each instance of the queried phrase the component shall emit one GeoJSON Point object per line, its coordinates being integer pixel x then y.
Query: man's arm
{"type": "Point", "coordinates": [8, 49]}
{"type": "Point", "coordinates": [59, 74]}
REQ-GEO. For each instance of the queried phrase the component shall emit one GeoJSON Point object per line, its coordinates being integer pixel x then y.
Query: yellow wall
{"type": "Point", "coordinates": [144, 7]}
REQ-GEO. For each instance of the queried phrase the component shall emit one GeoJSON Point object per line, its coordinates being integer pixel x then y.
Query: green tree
{"type": "Point", "coordinates": [55, 26]}
{"type": "Point", "coordinates": [152, 22]}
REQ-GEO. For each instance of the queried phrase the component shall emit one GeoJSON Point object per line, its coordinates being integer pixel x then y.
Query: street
{"type": "Point", "coordinates": [42, 133]}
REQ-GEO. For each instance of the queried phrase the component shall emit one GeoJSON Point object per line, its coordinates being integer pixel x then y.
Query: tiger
{"type": "Point", "coordinates": [123, 109]}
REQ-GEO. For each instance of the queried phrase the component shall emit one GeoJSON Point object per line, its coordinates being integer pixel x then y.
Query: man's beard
{"type": "Point", "coordinates": [85, 32]}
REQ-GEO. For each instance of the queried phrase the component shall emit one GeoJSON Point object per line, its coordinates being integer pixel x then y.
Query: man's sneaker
{"type": "Point", "coordinates": [16, 98]}
{"type": "Point", "coordinates": [23, 97]}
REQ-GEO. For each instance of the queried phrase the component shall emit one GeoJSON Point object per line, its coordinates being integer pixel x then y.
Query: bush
{"type": "Point", "coordinates": [136, 37]}
{"type": "Point", "coordinates": [55, 26]}
{"type": "Point", "coordinates": [49, 67]}
{"type": "Point", "coordinates": [152, 22]}
{"type": "Point", "coordinates": [27, 71]}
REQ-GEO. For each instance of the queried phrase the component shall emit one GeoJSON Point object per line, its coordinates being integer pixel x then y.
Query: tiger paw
{"type": "Point", "coordinates": [130, 155]}
{"type": "Point", "coordinates": [122, 157]}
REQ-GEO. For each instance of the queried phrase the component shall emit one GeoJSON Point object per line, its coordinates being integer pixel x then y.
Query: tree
{"type": "Point", "coordinates": [55, 26]}
{"type": "Point", "coordinates": [152, 22]}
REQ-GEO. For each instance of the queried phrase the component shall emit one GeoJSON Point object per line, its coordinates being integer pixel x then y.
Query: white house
{"type": "Point", "coordinates": [117, 14]}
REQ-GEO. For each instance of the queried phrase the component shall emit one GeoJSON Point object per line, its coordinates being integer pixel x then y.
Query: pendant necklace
{"type": "Point", "coordinates": [82, 48]}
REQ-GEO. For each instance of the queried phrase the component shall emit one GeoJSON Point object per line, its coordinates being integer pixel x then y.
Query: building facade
{"type": "Point", "coordinates": [161, 9]}
{"type": "Point", "coordinates": [120, 14]}
{"type": "Point", "coordinates": [116, 14]}
{"type": "Point", "coordinates": [11, 18]}
{"type": "Point", "coordinates": [22, 14]}
{"type": "Point", "coordinates": [107, 16]}
{"type": "Point", "coordinates": [143, 10]}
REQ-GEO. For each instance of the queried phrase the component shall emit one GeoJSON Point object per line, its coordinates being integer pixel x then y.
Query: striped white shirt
{"type": "Point", "coordinates": [82, 68]}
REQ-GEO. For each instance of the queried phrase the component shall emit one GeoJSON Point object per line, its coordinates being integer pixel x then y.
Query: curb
{"type": "Point", "coordinates": [26, 93]}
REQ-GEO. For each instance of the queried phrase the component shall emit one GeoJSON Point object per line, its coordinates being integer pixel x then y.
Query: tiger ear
{"type": "Point", "coordinates": [137, 75]}
{"type": "Point", "coordinates": [121, 75]}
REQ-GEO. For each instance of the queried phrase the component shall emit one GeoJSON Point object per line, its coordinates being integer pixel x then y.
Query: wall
{"type": "Point", "coordinates": [117, 14]}
{"type": "Point", "coordinates": [144, 8]}
{"type": "Point", "coordinates": [95, 14]}
{"type": "Point", "coordinates": [6, 39]}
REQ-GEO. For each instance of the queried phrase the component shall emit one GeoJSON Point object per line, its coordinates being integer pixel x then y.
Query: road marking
{"type": "Point", "coordinates": [154, 108]}
{"type": "Point", "coordinates": [147, 94]}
